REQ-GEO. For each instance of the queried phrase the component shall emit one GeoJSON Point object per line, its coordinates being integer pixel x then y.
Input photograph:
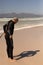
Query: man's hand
{"type": "Point", "coordinates": [11, 36]}
{"type": "Point", "coordinates": [4, 34]}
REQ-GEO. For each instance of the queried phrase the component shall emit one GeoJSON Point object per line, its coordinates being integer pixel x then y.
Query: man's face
{"type": "Point", "coordinates": [15, 20]}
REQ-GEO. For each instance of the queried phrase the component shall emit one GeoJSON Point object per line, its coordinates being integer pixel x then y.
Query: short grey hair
{"type": "Point", "coordinates": [15, 18]}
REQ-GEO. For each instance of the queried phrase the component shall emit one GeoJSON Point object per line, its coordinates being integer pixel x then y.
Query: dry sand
{"type": "Point", "coordinates": [28, 47]}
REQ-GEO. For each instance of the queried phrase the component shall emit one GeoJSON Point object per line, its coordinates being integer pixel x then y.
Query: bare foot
{"type": "Point", "coordinates": [12, 60]}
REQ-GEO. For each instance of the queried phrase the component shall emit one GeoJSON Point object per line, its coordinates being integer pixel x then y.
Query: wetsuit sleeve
{"type": "Point", "coordinates": [10, 28]}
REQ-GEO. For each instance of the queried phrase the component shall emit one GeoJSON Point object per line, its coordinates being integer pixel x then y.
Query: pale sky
{"type": "Point", "coordinates": [19, 6]}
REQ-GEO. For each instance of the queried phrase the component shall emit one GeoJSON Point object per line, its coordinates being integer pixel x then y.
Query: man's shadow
{"type": "Point", "coordinates": [26, 54]}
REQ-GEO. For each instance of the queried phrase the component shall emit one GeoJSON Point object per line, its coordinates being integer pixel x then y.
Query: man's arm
{"type": "Point", "coordinates": [10, 29]}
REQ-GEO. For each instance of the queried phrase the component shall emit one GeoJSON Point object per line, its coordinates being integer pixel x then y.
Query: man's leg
{"type": "Point", "coordinates": [7, 43]}
{"type": "Point", "coordinates": [11, 48]}
{"type": "Point", "coordinates": [8, 52]}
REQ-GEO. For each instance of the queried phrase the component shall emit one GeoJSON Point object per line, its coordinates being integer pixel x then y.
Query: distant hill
{"type": "Point", "coordinates": [20, 15]}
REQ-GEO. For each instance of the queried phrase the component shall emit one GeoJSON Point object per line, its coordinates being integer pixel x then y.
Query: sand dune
{"type": "Point", "coordinates": [28, 47]}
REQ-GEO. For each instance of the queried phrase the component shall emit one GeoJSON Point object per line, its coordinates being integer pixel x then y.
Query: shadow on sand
{"type": "Point", "coordinates": [26, 54]}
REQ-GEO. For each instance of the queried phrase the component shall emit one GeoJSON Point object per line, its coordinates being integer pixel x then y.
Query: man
{"type": "Point", "coordinates": [8, 31]}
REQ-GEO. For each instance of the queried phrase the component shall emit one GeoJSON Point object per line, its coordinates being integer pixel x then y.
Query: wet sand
{"type": "Point", "coordinates": [28, 47]}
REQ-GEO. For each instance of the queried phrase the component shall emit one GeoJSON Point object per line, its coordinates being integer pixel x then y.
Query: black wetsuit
{"type": "Point", "coordinates": [8, 29]}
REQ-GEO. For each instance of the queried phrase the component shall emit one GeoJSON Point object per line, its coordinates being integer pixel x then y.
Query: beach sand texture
{"type": "Point", "coordinates": [28, 47]}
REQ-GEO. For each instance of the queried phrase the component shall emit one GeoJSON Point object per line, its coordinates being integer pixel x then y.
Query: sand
{"type": "Point", "coordinates": [28, 47]}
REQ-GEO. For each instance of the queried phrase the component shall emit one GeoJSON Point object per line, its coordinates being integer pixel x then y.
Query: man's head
{"type": "Point", "coordinates": [15, 19]}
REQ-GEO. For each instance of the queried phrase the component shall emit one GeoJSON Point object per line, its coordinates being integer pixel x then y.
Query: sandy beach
{"type": "Point", "coordinates": [28, 47]}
